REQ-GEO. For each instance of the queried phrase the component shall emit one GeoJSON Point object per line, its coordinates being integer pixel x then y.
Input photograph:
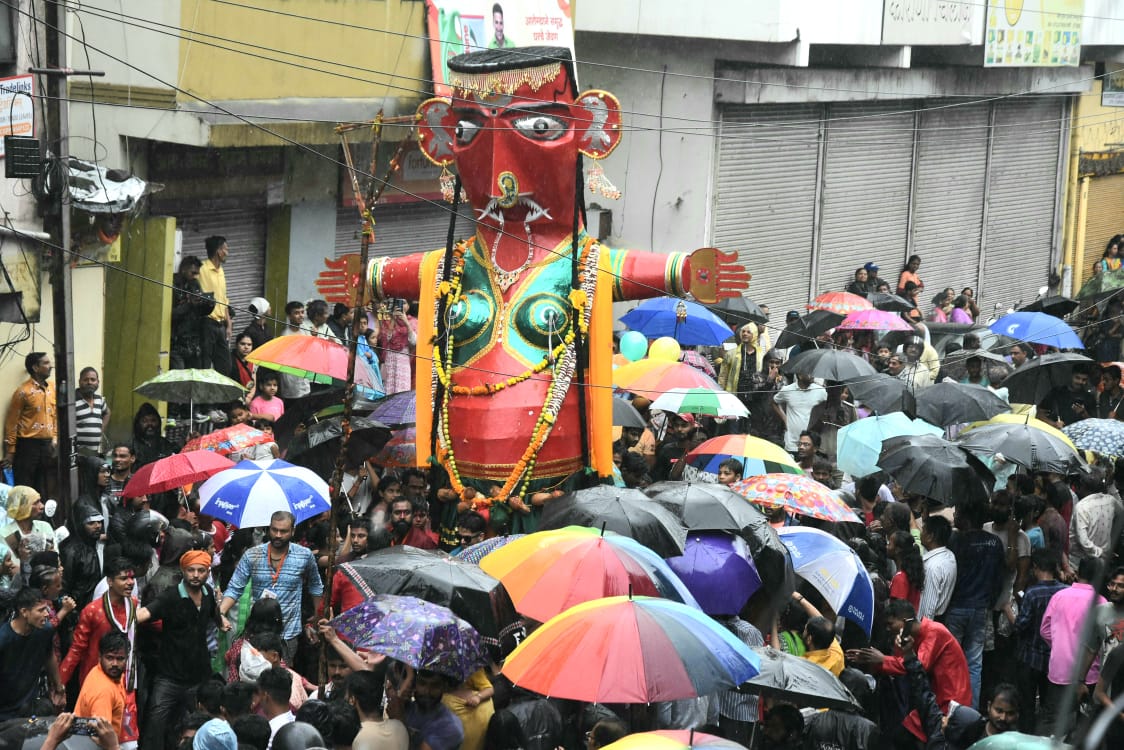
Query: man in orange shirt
{"type": "Point", "coordinates": [31, 427]}
{"type": "Point", "coordinates": [103, 691]}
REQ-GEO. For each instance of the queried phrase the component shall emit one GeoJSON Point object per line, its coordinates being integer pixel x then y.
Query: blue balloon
{"type": "Point", "coordinates": [633, 345]}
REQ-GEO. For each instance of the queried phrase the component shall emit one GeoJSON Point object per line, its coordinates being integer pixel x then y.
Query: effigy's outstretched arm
{"type": "Point", "coordinates": [708, 274]}
{"type": "Point", "coordinates": [395, 277]}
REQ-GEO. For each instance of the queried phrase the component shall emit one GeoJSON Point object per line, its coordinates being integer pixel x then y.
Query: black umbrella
{"type": "Point", "coordinates": [319, 445]}
{"type": "Point", "coordinates": [994, 366]}
{"type": "Point", "coordinates": [883, 394]}
{"type": "Point", "coordinates": [946, 404]}
{"type": "Point", "coordinates": [796, 680]}
{"type": "Point", "coordinates": [1032, 382]}
{"type": "Point", "coordinates": [931, 467]}
{"type": "Point", "coordinates": [625, 511]}
{"type": "Point", "coordinates": [704, 506]}
{"type": "Point", "coordinates": [889, 302]}
{"type": "Point", "coordinates": [1023, 444]}
{"type": "Point", "coordinates": [829, 364]}
{"type": "Point", "coordinates": [737, 311]}
{"type": "Point", "coordinates": [468, 591]}
{"type": "Point", "coordinates": [625, 414]}
{"type": "Point", "coordinates": [1055, 305]}
{"type": "Point", "coordinates": [298, 410]}
{"type": "Point", "coordinates": [807, 327]}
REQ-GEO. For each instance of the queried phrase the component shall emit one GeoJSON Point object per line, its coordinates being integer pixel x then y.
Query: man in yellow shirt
{"type": "Point", "coordinates": [31, 427]}
{"type": "Point", "coordinates": [819, 639]}
{"type": "Point", "coordinates": [217, 326]}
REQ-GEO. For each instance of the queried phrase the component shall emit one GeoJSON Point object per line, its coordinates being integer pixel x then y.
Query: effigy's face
{"type": "Point", "coordinates": [514, 137]}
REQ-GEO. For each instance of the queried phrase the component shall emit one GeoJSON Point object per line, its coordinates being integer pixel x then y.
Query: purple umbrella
{"type": "Point", "coordinates": [718, 570]}
{"type": "Point", "coordinates": [413, 631]}
{"type": "Point", "coordinates": [396, 409]}
{"type": "Point", "coordinates": [474, 553]}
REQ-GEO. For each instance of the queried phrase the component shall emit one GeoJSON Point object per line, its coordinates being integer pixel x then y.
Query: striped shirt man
{"type": "Point", "coordinates": [90, 417]}
{"type": "Point", "coordinates": [283, 574]}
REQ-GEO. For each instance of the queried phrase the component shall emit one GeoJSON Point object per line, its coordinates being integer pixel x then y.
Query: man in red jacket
{"type": "Point", "coordinates": [939, 653]}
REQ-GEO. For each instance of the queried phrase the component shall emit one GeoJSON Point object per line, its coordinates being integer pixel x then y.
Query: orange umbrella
{"type": "Point", "coordinates": [843, 303]}
{"type": "Point", "coordinates": [652, 377]}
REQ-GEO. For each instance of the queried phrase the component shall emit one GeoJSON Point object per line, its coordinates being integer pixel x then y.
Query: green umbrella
{"type": "Point", "coordinates": [1016, 741]}
{"type": "Point", "coordinates": [1101, 283]}
{"type": "Point", "coordinates": [189, 386]}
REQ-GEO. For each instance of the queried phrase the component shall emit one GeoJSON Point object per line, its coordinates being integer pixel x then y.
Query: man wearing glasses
{"type": "Point", "coordinates": [470, 529]}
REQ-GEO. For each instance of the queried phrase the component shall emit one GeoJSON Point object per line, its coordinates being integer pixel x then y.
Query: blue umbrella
{"type": "Point", "coordinates": [1104, 436]}
{"type": "Point", "coordinates": [1037, 328]}
{"type": "Point", "coordinates": [859, 443]}
{"type": "Point", "coordinates": [718, 570]}
{"type": "Point", "coordinates": [834, 570]}
{"type": "Point", "coordinates": [660, 317]}
{"type": "Point", "coordinates": [248, 493]}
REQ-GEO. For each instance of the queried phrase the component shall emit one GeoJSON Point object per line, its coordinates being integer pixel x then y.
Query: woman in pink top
{"type": "Point", "coordinates": [961, 311]}
{"type": "Point", "coordinates": [910, 578]}
{"type": "Point", "coordinates": [909, 273]}
{"type": "Point", "coordinates": [267, 405]}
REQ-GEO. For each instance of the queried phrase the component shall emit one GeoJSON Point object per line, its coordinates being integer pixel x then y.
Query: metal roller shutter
{"type": "Point", "coordinates": [1104, 219]}
{"type": "Point", "coordinates": [948, 199]}
{"type": "Point", "coordinates": [765, 198]}
{"type": "Point", "coordinates": [1022, 200]}
{"type": "Point", "coordinates": [401, 228]}
{"type": "Point", "coordinates": [244, 229]}
{"type": "Point", "coordinates": [867, 170]}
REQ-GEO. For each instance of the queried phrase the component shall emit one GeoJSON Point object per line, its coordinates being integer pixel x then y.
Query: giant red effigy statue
{"type": "Point", "coordinates": [517, 319]}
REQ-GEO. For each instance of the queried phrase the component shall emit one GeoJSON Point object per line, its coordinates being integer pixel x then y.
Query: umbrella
{"type": "Point", "coordinates": [796, 680]}
{"type": "Point", "coordinates": [718, 570]}
{"type": "Point", "coordinates": [397, 408]}
{"type": "Point", "coordinates": [737, 311]}
{"type": "Point", "coordinates": [188, 386]}
{"type": "Point", "coordinates": [931, 467]}
{"type": "Point", "coordinates": [873, 320]}
{"type": "Point", "coordinates": [842, 303]}
{"type": "Point", "coordinates": [757, 456]}
{"type": "Point", "coordinates": [994, 366]}
{"type": "Point", "coordinates": [625, 511]}
{"type": "Point", "coordinates": [317, 359]}
{"type": "Point", "coordinates": [800, 495]}
{"type": "Point", "coordinates": [807, 327]}
{"type": "Point", "coordinates": [229, 440]}
{"type": "Point", "coordinates": [1026, 418]}
{"type": "Point", "coordinates": [1055, 305]}
{"type": "Point", "coordinates": [883, 394]}
{"type": "Point", "coordinates": [1019, 740]}
{"type": "Point", "coordinates": [947, 404]}
{"type": "Point", "coordinates": [704, 506]}
{"type": "Point", "coordinates": [175, 471]}
{"type": "Point", "coordinates": [247, 494]}
{"type": "Point", "coordinates": [697, 361]}
{"type": "Point", "coordinates": [1101, 283]}
{"type": "Point", "coordinates": [829, 364]}
{"type": "Point", "coordinates": [1022, 444]}
{"type": "Point", "coordinates": [630, 650]}
{"type": "Point", "coordinates": [1032, 382]}
{"type": "Point", "coordinates": [321, 404]}
{"type": "Point", "coordinates": [889, 302]}
{"type": "Point", "coordinates": [415, 632]}
{"type": "Point", "coordinates": [835, 570]}
{"type": "Point", "coordinates": [689, 323]}
{"type": "Point", "coordinates": [701, 401]}
{"type": "Point", "coordinates": [858, 444]}
{"type": "Point", "coordinates": [474, 553]}
{"type": "Point", "coordinates": [400, 452]}
{"type": "Point", "coordinates": [548, 572]}
{"type": "Point", "coordinates": [1104, 436]}
{"type": "Point", "coordinates": [625, 415]}
{"type": "Point", "coordinates": [469, 592]}
{"type": "Point", "coordinates": [672, 739]}
{"type": "Point", "coordinates": [651, 377]}
{"type": "Point", "coordinates": [1038, 328]}
{"type": "Point", "coordinates": [322, 438]}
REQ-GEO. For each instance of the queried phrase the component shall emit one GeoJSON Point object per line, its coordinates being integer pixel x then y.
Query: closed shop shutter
{"type": "Point", "coordinates": [1022, 200]}
{"type": "Point", "coordinates": [401, 228]}
{"type": "Point", "coordinates": [244, 230]}
{"type": "Point", "coordinates": [765, 196]}
{"type": "Point", "coordinates": [867, 170]}
{"type": "Point", "coordinates": [1104, 219]}
{"type": "Point", "coordinates": [949, 199]}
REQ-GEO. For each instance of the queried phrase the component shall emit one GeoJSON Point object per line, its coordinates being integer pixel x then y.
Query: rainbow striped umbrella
{"type": "Point", "coordinates": [802, 496]}
{"type": "Point", "coordinates": [701, 401]}
{"type": "Point", "coordinates": [757, 456]}
{"type": "Point", "coordinates": [651, 377]}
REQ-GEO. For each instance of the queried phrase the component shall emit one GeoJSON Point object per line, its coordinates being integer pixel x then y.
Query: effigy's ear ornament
{"type": "Point", "coordinates": [437, 124]}
{"type": "Point", "coordinates": [597, 116]}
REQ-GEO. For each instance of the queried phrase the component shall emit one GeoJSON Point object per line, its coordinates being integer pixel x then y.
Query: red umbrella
{"type": "Point", "coordinates": [843, 303]}
{"type": "Point", "coordinates": [316, 359]}
{"type": "Point", "coordinates": [175, 471]}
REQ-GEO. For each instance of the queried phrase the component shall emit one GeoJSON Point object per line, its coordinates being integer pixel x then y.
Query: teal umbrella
{"type": "Point", "coordinates": [859, 443]}
{"type": "Point", "coordinates": [1016, 741]}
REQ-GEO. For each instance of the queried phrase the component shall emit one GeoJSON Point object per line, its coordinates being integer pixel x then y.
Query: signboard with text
{"type": "Point", "coordinates": [459, 26]}
{"type": "Point", "coordinates": [17, 113]}
{"type": "Point", "coordinates": [1033, 33]}
{"type": "Point", "coordinates": [938, 22]}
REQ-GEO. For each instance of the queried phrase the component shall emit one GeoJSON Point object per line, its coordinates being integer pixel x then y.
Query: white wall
{"type": "Point", "coordinates": [128, 39]}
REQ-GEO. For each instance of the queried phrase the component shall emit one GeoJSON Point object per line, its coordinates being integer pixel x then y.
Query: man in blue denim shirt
{"type": "Point", "coordinates": [980, 575]}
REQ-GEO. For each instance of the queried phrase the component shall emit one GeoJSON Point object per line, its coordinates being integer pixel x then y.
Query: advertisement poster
{"type": "Point", "coordinates": [1112, 91]}
{"type": "Point", "coordinates": [17, 115]}
{"type": "Point", "coordinates": [458, 26]}
{"type": "Point", "coordinates": [937, 22]}
{"type": "Point", "coordinates": [1030, 33]}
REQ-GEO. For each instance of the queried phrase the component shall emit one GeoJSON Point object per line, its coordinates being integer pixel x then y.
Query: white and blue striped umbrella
{"type": "Point", "coordinates": [248, 493]}
{"type": "Point", "coordinates": [834, 570]}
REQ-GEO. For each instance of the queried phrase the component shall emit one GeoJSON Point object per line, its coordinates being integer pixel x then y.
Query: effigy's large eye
{"type": "Point", "coordinates": [466, 131]}
{"type": "Point", "coordinates": [541, 127]}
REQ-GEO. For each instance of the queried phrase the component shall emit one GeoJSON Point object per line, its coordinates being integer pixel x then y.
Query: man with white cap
{"type": "Point", "coordinates": [258, 330]}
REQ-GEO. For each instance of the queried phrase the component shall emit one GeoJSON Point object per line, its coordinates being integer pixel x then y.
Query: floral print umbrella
{"type": "Point", "coordinates": [415, 632]}
{"type": "Point", "coordinates": [1104, 436]}
{"type": "Point", "coordinates": [843, 303]}
{"type": "Point", "coordinates": [801, 495]}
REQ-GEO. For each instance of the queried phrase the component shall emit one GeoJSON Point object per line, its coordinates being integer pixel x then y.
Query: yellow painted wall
{"type": "Point", "coordinates": [398, 62]}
